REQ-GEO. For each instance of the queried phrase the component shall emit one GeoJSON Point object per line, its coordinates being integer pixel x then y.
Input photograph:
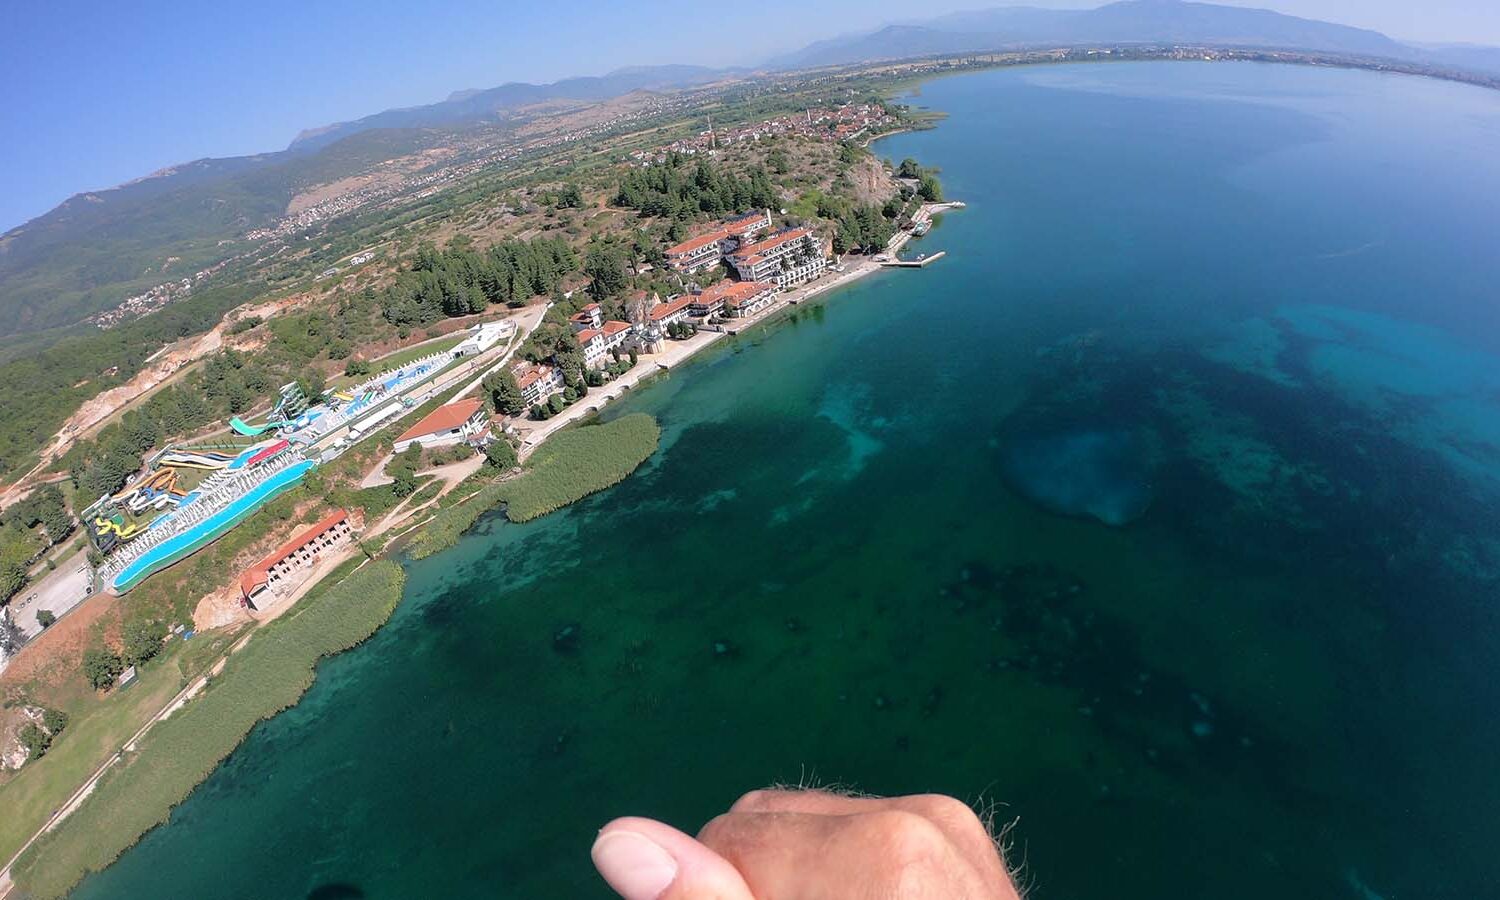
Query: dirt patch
{"type": "Point", "coordinates": [51, 661]}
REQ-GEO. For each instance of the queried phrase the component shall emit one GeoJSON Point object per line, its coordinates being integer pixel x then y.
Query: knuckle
{"type": "Point", "coordinates": [754, 801]}
{"type": "Point", "coordinates": [909, 840]}
{"type": "Point", "coordinates": [950, 812]}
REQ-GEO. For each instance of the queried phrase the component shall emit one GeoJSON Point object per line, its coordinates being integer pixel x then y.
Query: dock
{"type": "Point", "coordinates": [914, 263]}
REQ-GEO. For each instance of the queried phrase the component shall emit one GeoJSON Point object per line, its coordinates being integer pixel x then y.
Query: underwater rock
{"type": "Point", "coordinates": [1099, 474]}
{"type": "Point", "coordinates": [565, 639]}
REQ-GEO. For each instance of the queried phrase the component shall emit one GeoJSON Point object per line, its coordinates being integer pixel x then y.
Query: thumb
{"type": "Point", "coordinates": [643, 859]}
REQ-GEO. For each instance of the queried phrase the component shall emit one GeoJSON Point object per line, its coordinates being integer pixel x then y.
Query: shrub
{"type": "Point", "coordinates": [101, 667]}
{"type": "Point", "coordinates": [45, 618]}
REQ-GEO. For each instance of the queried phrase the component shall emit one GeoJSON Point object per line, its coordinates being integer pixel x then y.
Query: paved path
{"type": "Point", "coordinates": [58, 593]}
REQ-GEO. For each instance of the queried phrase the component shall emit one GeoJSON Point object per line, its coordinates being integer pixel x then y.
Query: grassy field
{"type": "Point", "coordinates": [267, 676]}
{"type": "Point", "coordinates": [398, 358]}
{"type": "Point", "coordinates": [571, 465]}
{"type": "Point", "coordinates": [42, 786]}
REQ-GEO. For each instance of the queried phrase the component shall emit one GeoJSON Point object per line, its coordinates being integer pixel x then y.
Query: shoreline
{"type": "Point", "coordinates": [648, 366]}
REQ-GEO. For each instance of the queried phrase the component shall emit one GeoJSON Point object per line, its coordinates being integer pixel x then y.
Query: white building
{"type": "Point", "coordinates": [484, 336]}
{"type": "Point", "coordinates": [597, 342]}
{"type": "Point", "coordinates": [461, 421]}
{"type": "Point", "coordinates": [788, 258]}
{"type": "Point", "coordinates": [538, 382]}
{"type": "Point", "coordinates": [590, 316]}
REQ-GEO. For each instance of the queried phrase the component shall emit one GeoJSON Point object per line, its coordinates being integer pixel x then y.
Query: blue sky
{"type": "Point", "coordinates": [99, 93]}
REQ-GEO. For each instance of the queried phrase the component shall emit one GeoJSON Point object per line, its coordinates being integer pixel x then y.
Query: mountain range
{"type": "Point", "coordinates": [97, 248]}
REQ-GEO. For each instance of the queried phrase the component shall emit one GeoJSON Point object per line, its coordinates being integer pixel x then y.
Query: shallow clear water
{"type": "Point", "coordinates": [1275, 286]}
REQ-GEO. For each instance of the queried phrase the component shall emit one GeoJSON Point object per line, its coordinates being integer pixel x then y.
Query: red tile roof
{"type": "Point", "coordinates": [662, 310]}
{"type": "Point", "coordinates": [745, 291]}
{"type": "Point", "coordinates": [760, 248]}
{"type": "Point", "coordinates": [698, 243]}
{"type": "Point", "coordinates": [256, 576]}
{"type": "Point", "coordinates": [444, 418]}
{"type": "Point", "coordinates": [531, 375]}
{"type": "Point", "coordinates": [588, 334]}
{"type": "Point", "coordinates": [613, 327]}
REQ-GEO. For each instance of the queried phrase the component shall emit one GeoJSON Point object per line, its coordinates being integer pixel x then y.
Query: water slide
{"type": "Point", "coordinates": [245, 428]}
{"type": "Point", "coordinates": [191, 459]}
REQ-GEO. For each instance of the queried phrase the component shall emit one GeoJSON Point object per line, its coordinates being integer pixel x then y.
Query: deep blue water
{"type": "Point", "coordinates": [1162, 513]}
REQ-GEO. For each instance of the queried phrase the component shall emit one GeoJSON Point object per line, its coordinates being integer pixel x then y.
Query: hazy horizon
{"type": "Point", "coordinates": [163, 86]}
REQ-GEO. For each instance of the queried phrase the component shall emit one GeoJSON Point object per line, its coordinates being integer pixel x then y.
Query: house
{"type": "Point", "coordinates": [664, 314]}
{"type": "Point", "coordinates": [460, 421]}
{"type": "Point", "coordinates": [597, 342]}
{"type": "Point", "coordinates": [789, 258]}
{"type": "Point", "coordinates": [746, 298]}
{"type": "Point", "coordinates": [538, 382]}
{"type": "Point", "coordinates": [303, 549]}
{"type": "Point", "coordinates": [590, 316]}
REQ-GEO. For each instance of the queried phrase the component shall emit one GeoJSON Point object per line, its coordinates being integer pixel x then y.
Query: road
{"type": "Point", "coordinates": [59, 592]}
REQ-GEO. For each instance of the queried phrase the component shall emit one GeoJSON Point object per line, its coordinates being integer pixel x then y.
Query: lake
{"type": "Point", "coordinates": [1159, 518]}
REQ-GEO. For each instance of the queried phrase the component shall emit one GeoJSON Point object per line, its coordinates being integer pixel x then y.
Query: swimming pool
{"type": "Point", "coordinates": [205, 532]}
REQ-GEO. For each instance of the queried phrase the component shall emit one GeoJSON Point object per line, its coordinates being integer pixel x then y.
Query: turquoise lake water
{"type": "Point", "coordinates": [1162, 514]}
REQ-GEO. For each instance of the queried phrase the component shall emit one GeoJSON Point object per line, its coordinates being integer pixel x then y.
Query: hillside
{"type": "Point", "coordinates": [1129, 21]}
{"type": "Point", "coordinates": [96, 249]}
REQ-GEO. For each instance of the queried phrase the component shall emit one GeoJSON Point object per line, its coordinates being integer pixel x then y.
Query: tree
{"type": "Point", "coordinates": [909, 169]}
{"type": "Point", "coordinates": [604, 264]}
{"type": "Point", "coordinates": [499, 454]}
{"type": "Point", "coordinates": [10, 635]}
{"type": "Point", "coordinates": [35, 740]}
{"type": "Point", "coordinates": [504, 393]}
{"type": "Point", "coordinates": [569, 197]}
{"type": "Point", "coordinates": [101, 667]}
{"type": "Point", "coordinates": [403, 471]}
{"type": "Point", "coordinates": [54, 720]}
{"type": "Point", "coordinates": [45, 618]}
{"type": "Point", "coordinates": [142, 639]}
{"type": "Point", "coordinates": [930, 189]}
{"type": "Point", "coordinates": [556, 404]}
{"type": "Point", "coordinates": [778, 162]}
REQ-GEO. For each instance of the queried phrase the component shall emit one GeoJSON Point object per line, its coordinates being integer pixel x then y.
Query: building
{"type": "Point", "coordinates": [788, 258]}
{"type": "Point", "coordinates": [744, 229]}
{"type": "Point", "coordinates": [460, 421]}
{"type": "Point", "coordinates": [597, 342]}
{"type": "Point", "coordinates": [746, 298]}
{"type": "Point", "coordinates": [698, 253]}
{"type": "Point", "coordinates": [590, 316]}
{"type": "Point", "coordinates": [707, 249]}
{"type": "Point", "coordinates": [304, 549]}
{"type": "Point", "coordinates": [538, 382]}
{"type": "Point", "coordinates": [709, 302]}
{"type": "Point", "coordinates": [664, 314]}
{"type": "Point", "coordinates": [484, 337]}
{"type": "Point", "coordinates": [733, 298]}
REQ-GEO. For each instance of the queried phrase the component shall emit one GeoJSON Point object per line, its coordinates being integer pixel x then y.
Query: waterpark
{"type": "Point", "coordinates": [193, 493]}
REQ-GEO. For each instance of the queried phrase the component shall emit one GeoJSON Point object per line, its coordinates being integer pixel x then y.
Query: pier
{"type": "Point", "coordinates": [913, 263]}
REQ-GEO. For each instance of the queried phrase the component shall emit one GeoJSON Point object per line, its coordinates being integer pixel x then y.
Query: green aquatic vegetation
{"type": "Point", "coordinates": [268, 675]}
{"type": "Point", "coordinates": [570, 466]}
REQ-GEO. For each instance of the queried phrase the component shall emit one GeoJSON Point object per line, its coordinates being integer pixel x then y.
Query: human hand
{"type": "Point", "coordinates": [810, 845]}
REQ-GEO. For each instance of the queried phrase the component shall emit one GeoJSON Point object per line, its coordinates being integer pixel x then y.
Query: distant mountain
{"type": "Point", "coordinates": [1130, 21]}
{"type": "Point", "coordinates": [1466, 56]}
{"type": "Point", "coordinates": [97, 248]}
{"type": "Point", "coordinates": [477, 106]}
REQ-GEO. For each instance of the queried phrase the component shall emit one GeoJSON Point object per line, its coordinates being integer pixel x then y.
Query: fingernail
{"type": "Point", "coordinates": [633, 865]}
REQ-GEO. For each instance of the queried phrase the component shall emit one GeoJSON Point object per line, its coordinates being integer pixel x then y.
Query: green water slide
{"type": "Point", "coordinates": [242, 427]}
